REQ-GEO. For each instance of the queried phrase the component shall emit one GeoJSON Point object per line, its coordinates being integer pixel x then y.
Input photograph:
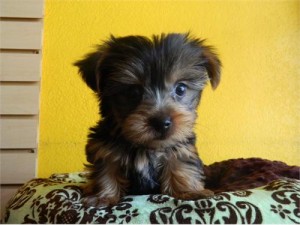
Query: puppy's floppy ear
{"type": "Point", "coordinates": [212, 64]}
{"type": "Point", "coordinates": [88, 68]}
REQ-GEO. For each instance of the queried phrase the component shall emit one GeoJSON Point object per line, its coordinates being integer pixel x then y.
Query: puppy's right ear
{"type": "Point", "coordinates": [89, 69]}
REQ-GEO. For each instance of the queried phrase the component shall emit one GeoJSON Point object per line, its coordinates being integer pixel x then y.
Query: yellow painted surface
{"type": "Point", "coordinates": [254, 112]}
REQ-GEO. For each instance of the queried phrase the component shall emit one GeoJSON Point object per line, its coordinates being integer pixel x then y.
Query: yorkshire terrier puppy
{"type": "Point", "coordinates": [148, 91]}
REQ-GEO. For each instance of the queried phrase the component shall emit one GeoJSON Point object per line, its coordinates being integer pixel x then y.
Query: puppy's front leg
{"type": "Point", "coordinates": [183, 179]}
{"type": "Point", "coordinates": [105, 186]}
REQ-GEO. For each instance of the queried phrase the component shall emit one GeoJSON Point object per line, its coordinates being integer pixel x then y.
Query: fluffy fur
{"type": "Point", "coordinates": [148, 91]}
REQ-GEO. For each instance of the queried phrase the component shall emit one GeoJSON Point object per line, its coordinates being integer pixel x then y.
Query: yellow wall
{"type": "Point", "coordinates": [254, 112]}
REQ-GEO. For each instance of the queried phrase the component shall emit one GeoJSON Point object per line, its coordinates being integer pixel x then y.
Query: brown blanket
{"type": "Point", "coordinates": [241, 174]}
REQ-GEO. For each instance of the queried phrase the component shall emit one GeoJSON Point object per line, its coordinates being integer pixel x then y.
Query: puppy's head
{"type": "Point", "coordinates": [150, 88]}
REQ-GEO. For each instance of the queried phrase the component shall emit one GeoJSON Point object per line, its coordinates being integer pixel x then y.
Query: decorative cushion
{"type": "Point", "coordinates": [58, 200]}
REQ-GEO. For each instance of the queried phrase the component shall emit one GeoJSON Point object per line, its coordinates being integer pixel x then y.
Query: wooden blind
{"type": "Point", "coordinates": [21, 23]}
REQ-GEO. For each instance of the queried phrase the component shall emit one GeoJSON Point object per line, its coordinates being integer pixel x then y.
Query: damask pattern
{"type": "Point", "coordinates": [285, 195]}
{"type": "Point", "coordinates": [215, 210]}
{"type": "Point", "coordinates": [58, 200]}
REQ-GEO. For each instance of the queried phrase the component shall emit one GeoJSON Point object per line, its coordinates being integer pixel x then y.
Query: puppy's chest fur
{"type": "Point", "coordinates": [144, 171]}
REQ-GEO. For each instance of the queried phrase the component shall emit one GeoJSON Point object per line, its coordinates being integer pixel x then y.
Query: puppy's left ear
{"type": "Point", "coordinates": [88, 69]}
{"type": "Point", "coordinates": [212, 64]}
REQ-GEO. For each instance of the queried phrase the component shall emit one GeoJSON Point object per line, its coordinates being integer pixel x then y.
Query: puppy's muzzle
{"type": "Point", "coordinates": [162, 124]}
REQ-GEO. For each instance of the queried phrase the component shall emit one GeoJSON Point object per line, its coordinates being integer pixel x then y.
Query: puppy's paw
{"type": "Point", "coordinates": [96, 201]}
{"type": "Point", "coordinates": [205, 193]}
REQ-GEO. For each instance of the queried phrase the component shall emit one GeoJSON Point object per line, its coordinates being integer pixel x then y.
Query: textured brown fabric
{"type": "Point", "coordinates": [241, 174]}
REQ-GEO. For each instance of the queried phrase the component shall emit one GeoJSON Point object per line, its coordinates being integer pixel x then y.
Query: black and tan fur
{"type": "Point", "coordinates": [148, 91]}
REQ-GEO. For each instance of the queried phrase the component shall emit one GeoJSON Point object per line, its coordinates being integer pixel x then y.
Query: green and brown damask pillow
{"type": "Point", "coordinates": [247, 191]}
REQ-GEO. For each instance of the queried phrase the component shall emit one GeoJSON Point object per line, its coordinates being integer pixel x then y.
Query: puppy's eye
{"type": "Point", "coordinates": [180, 89]}
{"type": "Point", "coordinates": [134, 92]}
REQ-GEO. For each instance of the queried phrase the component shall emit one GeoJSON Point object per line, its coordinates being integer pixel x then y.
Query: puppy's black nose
{"type": "Point", "coordinates": [161, 124]}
